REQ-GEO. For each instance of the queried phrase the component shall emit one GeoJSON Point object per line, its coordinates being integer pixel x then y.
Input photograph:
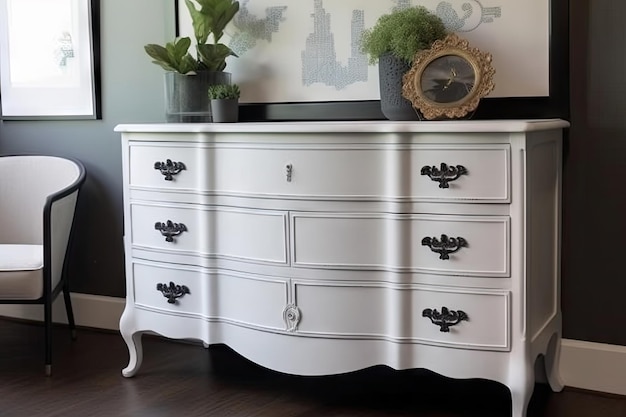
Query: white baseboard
{"type": "Point", "coordinates": [94, 311]}
{"type": "Point", "coordinates": [586, 365]}
{"type": "Point", "coordinates": [594, 366]}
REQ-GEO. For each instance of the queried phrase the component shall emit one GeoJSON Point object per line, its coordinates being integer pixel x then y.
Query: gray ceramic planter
{"type": "Point", "coordinates": [392, 104]}
{"type": "Point", "coordinates": [225, 110]}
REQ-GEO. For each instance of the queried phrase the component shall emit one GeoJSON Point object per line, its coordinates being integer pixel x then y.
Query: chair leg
{"type": "Point", "coordinates": [48, 335]}
{"type": "Point", "coordinates": [68, 309]}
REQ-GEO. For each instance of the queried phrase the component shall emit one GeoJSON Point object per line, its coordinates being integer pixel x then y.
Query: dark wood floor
{"type": "Point", "coordinates": [184, 379]}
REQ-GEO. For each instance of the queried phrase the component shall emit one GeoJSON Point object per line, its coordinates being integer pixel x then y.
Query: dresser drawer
{"type": "Point", "coordinates": [235, 298]}
{"type": "Point", "coordinates": [152, 289]}
{"type": "Point", "coordinates": [458, 173]}
{"type": "Point", "coordinates": [170, 167]}
{"type": "Point", "coordinates": [477, 245]}
{"type": "Point", "coordinates": [401, 314]}
{"type": "Point", "coordinates": [240, 234]}
{"type": "Point", "coordinates": [477, 173]}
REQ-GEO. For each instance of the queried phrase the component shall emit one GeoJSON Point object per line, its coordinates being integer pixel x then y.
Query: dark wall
{"type": "Point", "coordinates": [131, 92]}
{"type": "Point", "coordinates": [594, 281]}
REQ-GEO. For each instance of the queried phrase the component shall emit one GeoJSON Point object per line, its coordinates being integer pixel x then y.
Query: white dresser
{"type": "Point", "coordinates": [325, 247]}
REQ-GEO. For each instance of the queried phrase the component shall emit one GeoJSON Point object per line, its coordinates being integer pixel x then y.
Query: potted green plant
{"type": "Point", "coordinates": [187, 77]}
{"type": "Point", "coordinates": [224, 102]}
{"type": "Point", "coordinates": [392, 43]}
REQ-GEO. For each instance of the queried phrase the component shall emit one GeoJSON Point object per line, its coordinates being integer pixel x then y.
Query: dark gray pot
{"type": "Point", "coordinates": [225, 110]}
{"type": "Point", "coordinates": [186, 96]}
{"type": "Point", "coordinates": [393, 105]}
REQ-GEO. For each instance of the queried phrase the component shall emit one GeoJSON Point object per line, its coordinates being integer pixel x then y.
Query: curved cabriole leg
{"type": "Point", "coordinates": [132, 337]}
{"type": "Point", "coordinates": [135, 351]}
{"type": "Point", "coordinates": [552, 363]}
{"type": "Point", "coordinates": [521, 384]}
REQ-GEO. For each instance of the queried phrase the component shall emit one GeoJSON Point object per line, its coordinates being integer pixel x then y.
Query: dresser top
{"type": "Point", "coordinates": [367, 126]}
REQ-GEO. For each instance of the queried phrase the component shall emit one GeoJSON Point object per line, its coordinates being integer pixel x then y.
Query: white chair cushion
{"type": "Point", "coordinates": [21, 275]}
{"type": "Point", "coordinates": [21, 257]}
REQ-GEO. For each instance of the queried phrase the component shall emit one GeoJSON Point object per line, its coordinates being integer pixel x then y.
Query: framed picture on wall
{"type": "Point", "coordinates": [305, 63]}
{"type": "Point", "coordinates": [49, 63]}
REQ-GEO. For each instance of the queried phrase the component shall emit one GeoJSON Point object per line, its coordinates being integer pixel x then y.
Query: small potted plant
{"type": "Point", "coordinates": [392, 43]}
{"type": "Point", "coordinates": [224, 102]}
{"type": "Point", "coordinates": [188, 77]}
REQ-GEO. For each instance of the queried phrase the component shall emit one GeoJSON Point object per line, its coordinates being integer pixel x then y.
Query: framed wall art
{"type": "Point", "coordinates": [49, 59]}
{"type": "Point", "coordinates": [304, 62]}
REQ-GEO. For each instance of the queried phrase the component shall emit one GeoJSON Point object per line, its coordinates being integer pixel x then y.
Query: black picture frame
{"type": "Point", "coordinates": [95, 46]}
{"type": "Point", "coordinates": [555, 105]}
{"type": "Point", "coordinates": [92, 24]}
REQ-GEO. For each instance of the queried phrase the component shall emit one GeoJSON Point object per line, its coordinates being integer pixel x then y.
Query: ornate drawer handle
{"type": "Point", "coordinates": [170, 229]}
{"type": "Point", "coordinates": [445, 174]}
{"type": "Point", "coordinates": [288, 171]}
{"type": "Point", "coordinates": [446, 318]}
{"type": "Point", "coordinates": [445, 246]}
{"type": "Point", "coordinates": [169, 168]}
{"type": "Point", "coordinates": [291, 315]}
{"type": "Point", "coordinates": [173, 291]}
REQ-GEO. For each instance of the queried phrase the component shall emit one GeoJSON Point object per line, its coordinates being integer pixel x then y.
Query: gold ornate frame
{"type": "Point", "coordinates": [451, 45]}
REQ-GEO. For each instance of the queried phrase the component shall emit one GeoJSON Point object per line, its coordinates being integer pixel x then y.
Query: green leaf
{"type": "Point", "coordinates": [181, 47]}
{"type": "Point", "coordinates": [211, 18]}
{"type": "Point", "coordinates": [214, 56]}
{"type": "Point", "coordinates": [171, 54]}
{"type": "Point", "coordinates": [188, 64]}
{"type": "Point", "coordinates": [165, 66]}
{"type": "Point", "coordinates": [174, 56]}
{"type": "Point", "coordinates": [201, 23]}
{"type": "Point", "coordinates": [157, 52]}
{"type": "Point", "coordinates": [206, 4]}
{"type": "Point", "coordinates": [224, 13]}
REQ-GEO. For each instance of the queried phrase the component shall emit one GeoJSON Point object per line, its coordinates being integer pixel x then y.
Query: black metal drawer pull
{"type": "Point", "coordinates": [444, 174]}
{"type": "Point", "coordinates": [446, 318]}
{"type": "Point", "coordinates": [173, 292]}
{"type": "Point", "coordinates": [445, 246]}
{"type": "Point", "coordinates": [170, 229]}
{"type": "Point", "coordinates": [169, 168]}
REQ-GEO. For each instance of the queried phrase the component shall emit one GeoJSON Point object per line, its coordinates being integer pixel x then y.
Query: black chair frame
{"type": "Point", "coordinates": [49, 293]}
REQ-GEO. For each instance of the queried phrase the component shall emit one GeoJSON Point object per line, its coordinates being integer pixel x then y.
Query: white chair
{"type": "Point", "coordinates": [38, 197]}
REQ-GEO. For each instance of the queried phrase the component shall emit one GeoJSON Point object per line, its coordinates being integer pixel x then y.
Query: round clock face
{"type": "Point", "coordinates": [447, 79]}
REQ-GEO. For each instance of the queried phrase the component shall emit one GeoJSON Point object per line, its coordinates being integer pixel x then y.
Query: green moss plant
{"type": "Point", "coordinates": [402, 33]}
